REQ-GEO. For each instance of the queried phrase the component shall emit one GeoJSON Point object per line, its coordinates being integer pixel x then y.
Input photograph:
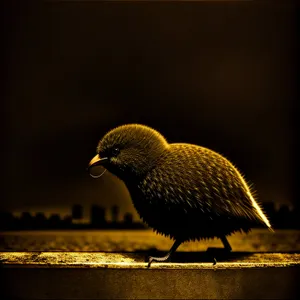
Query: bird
{"type": "Point", "coordinates": [183, 191]}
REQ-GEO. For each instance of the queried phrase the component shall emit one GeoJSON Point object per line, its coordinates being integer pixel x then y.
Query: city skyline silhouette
{"type": "Point", "coordinates": [102, 217]}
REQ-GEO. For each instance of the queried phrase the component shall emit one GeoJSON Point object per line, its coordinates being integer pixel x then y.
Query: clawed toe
{"type": "Point", "coordinates": [150, 260]}
{"type": "Point", "coordinates": [157, 259]}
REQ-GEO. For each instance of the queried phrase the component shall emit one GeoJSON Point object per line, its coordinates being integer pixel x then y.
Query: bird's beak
{"type": "Point", "coordinates": [97, 161]}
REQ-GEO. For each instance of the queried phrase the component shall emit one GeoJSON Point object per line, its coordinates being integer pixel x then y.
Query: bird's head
{"type": "Point", "coordinates": [130, 151]}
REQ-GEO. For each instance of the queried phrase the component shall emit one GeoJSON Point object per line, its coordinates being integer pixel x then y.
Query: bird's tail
{"type": "Point", "coordinates": [259, 211]}
{"type": "Point", "coordinates": [261, 215]}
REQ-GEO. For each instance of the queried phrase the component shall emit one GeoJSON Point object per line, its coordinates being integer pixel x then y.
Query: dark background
{"type": "Point", "coordinates": [217, 74]}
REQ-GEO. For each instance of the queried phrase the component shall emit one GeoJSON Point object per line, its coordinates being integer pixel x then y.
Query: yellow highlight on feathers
{"type": "Point", "coordinates": [254, 203]}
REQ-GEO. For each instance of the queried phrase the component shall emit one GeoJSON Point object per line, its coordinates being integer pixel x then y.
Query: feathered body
{"type": "Point", "coordinates": [194, 193]}
{"type": "Point", "coordinates": [183, 191]}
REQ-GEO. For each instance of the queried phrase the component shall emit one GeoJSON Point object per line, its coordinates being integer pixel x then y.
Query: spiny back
{"type": "Point", "coordinates": [198, 178]}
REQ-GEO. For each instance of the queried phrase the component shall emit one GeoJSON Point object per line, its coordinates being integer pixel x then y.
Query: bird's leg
{"type": "Point", "coordinates": [225, 243]}
{"type": "Point", "coordinates": [167, 256]}
{"type": "Point", "coordinates": [227, 248]}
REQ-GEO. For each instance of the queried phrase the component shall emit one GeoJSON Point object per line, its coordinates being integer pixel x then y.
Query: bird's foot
{"type": "Point", "coordinates": [214, 261]}
{"type": "Point", "coordinates": [217, 252]}
{"type": "Point", "coordinates": [157, 259]}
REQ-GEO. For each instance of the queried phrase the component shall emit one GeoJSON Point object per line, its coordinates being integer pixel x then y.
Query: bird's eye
{"type": "Point", "coordinates": [115, 151]}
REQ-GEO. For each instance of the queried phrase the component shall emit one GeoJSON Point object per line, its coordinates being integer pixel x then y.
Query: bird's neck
{"type": "Point", "coordinates": [133, 177]}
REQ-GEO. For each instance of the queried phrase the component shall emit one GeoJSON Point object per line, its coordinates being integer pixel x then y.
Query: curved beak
{"type": "Point", "coordinates": [96, 161]}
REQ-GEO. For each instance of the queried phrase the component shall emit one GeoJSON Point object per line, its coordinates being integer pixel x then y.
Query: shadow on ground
{"type": "Point", "coordinates": [194, 257]}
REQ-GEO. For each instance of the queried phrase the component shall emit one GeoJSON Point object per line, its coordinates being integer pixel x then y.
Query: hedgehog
{"type": "Point", "coordinates": [183, 191]}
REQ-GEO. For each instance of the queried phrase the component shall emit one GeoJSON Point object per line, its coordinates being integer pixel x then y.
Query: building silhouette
{"type": "Point", "coordinates": [115, 214]}
{"type": "Point", "coordinates": [54, 221]}
{"type": "Point", "coordinates": [284, 217]}
{"type": "Point", "coordinates": [26, 220]}
{"type": "Point", "coordinates": [98, 217]}
{"type": "Point", "coordinates": [128, 219]}
{"type": "Point", "coordinates": [77, 212]}
{"type": "Point", "coordinates": [40, 220]}
{"type": "Point", "coordinates": [269, 209]}
{"type": "Point", "coordinates": [7, 220]}
{"type": "Point", "coordinates": [66, 222]}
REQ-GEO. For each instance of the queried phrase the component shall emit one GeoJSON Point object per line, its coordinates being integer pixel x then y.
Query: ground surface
{"type": "Point", "coordinates": [133, 260]}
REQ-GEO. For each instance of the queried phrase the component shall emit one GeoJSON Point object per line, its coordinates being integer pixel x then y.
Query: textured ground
{"type": "Point", "coordinates": [259, 240]}
{"type": "Point", "coordinates": [133, 260]}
